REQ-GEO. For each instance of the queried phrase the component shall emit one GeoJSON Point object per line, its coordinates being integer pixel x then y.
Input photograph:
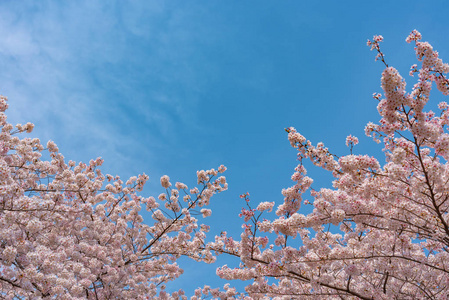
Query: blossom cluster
{"type": "Point", "coordinates": [68, 231]}
{"type": "Point", "coordinates": [382, 231]}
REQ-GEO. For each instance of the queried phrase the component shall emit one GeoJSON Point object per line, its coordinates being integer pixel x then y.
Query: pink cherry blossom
{"type": "Point", "coordinates": [69, 231]}
{"type": "Point", "coordinates": [382, 230]}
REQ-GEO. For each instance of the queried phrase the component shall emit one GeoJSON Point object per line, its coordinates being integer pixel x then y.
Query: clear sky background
{"type": "Point", "coordinates": [171, 87]}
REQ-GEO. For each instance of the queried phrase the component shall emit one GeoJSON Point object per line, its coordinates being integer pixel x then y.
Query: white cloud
{"type": "Point", "coordinates": [73, 67]}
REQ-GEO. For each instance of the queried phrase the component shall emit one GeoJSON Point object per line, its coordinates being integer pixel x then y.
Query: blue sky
{"type": "Point", "coordinates": [170, 87]}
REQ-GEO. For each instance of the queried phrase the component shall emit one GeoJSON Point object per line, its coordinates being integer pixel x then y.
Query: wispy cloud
{"type": "Point", "coordinates": [78, 69]}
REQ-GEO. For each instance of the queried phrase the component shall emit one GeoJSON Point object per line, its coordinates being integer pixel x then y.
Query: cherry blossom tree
{"type": "Point", "coordinates": [382, 231]}
{"type": "Point", "coordinates": [69, 232]}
